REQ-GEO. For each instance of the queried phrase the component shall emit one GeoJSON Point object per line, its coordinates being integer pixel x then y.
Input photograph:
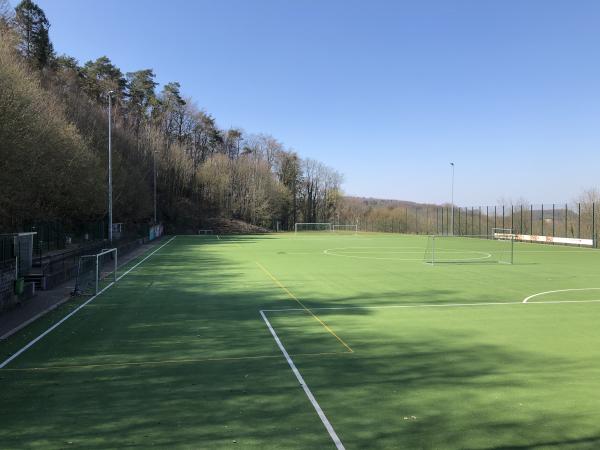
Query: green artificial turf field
{"type": "Point", "coordinates": [204, 345]}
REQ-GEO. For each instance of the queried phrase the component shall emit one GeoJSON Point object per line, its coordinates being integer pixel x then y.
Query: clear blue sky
{"type": "Point", "coordinates": [386, 92]}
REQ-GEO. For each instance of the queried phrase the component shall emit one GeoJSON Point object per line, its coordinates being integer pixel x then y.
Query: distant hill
{"type": "Point", "coordinates": [381, 202]}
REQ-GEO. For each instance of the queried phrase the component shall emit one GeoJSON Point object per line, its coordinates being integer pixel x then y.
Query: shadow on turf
{"type": "Point", "coordinates": [444, 392]}
{"type": "Point", "coordinates": [181, 307]}
{"type": "Point", "coordinates": [591, 443]}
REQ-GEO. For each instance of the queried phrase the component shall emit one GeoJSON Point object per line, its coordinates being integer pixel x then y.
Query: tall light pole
{"type": "Point", "coordinates": [155, 219]}
{"type": "Point", "coordinates": [452, 201]}
{"type": "Point", "coordinates": [110, 215]}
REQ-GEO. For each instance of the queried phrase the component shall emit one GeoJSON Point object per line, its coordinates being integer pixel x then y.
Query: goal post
{"type": "Point", "coordinates": [498, 248]}
{"type": "Point", "coordinates": [311, 226]}
{"type": "Point", "coordinates": [345, 228]}
{"type": "Point", "coordinates": [95, 272]}
{"type": "Point", "coordinates": [205, 232]}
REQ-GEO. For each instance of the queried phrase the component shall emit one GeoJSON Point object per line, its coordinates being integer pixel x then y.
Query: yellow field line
{"type": "Point", "coordinates": [162, 362]}
{"type": "Point", "coordinates": [293, 297]}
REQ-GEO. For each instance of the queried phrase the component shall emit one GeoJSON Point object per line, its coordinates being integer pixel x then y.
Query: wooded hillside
{"type": "Point", "coordinates": [53, 146]}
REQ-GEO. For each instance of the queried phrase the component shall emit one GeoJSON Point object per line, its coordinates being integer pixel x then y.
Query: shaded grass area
{"type": "Point", "coordinates": [10, 346]}
{"type": "Point", "coordinates": [176, 354]}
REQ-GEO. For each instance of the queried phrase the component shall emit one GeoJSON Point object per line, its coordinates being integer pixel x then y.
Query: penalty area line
{"type": "Point", "coordinates": [72, 313]}
{"type": "Point", "coordinates": [447, 305]}
{"type": "Point", "coordinates": [334, 437]}
{"type": "Point", "coordinates": [292, 296]}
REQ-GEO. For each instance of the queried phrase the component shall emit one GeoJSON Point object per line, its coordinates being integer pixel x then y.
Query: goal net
{"type": "Point", "coordinates": [345, 228]}
{"type": "Point", "coordinates": [498, 247]}
{"type": "Point", "coordinates": [305, 226]}
{"type": "Point", "coordinates": [205, 232]}
{"type": "Point", "coordinates": [95, 272]}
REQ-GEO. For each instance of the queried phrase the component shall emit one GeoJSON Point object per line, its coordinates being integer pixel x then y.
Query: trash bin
{"type": "Point", "coordinates": [19, 285]}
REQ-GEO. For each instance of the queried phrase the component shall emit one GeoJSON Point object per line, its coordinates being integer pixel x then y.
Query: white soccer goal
{"type": "Point", "coordinates": [205, 232]}
{"type": "Point", "coordinates": [306, 226]}
{"type": "Point", "coordinates": [94, 272]}
{"type": "Point", "coordinates": [496, 248]}
{"type": "Point", "coordinates": [345, 228]}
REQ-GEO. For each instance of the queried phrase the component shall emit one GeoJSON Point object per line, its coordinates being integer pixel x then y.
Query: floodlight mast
{"type": "Point", "coordinates": [110, 212]}
{"type": "Point", "coordinates": [155, 221]}
{"type": "Point", "coordinates": [452, 200]}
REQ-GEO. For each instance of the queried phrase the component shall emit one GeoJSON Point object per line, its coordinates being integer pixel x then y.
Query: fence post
{"type": "Point", "coordinates": [416, 219]}
{"type": "Point", "coordinates": [578, 220]}
{"type": "Point", "coordinates": [594, 224]}
{"type": "Point", "coordinates": [467, 220]}
{"type": "Point", "coordinates": [531, 218]}
{"type": "Point", "coordinates": [442, 221]}
{"type": "Point", "coordinates": [553, 220]}
{"type": "Point", "coordinates": [495, 216]}
{"type": "Point", "coordinates": [566, 219]}
{"type": "Point", "coordinates": [542, 233]}
{"type": "Point", "coordinates": [512, 217]}
{"type": "Point", "coordinates": [472, 220]}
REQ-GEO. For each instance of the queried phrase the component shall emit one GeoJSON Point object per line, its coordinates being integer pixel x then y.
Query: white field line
{"type": "Point", "coordinates": [56, 325]}
{"type": "Point", "coordinates": [555, 251]}
{"type": "Point", "coordinates": [334, 437]}
{"type": "Point", "coordinates": [72, 313]}
{"type": "Point", "coordinates": [446, 305]}
{"type": "Point", "coordinates": [300, 253]}
{"type": "Point", "coordinates": [218, 238]}
{"type": "Point", "coordinates": [307, 391]}
{"type": "Point", "coordinates": [148, 256]}
{"type": "Point", "coordinates": [559, 290]}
